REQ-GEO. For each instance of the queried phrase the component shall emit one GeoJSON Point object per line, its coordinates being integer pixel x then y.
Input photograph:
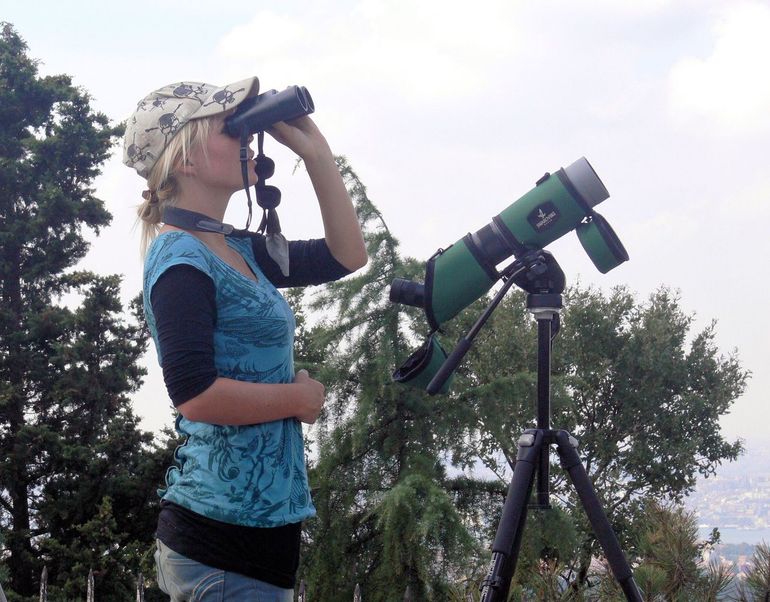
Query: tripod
{"type": "Point", "coordinates": [542, 278]}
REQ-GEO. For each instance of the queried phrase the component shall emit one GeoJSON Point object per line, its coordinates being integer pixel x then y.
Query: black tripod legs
{"type": "Point", "coordinates": [505, 549]}
{"type": "Point", "coordinates": [570, 461]}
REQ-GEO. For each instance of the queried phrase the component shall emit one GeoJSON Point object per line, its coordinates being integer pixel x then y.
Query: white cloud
{"type": "Point", "coordinates": [417, 50]}
{"type": "Point", "coordinates": [748, 202]}
{"type": "Point", "coordinates": [630, 7]}
{"type": "Point", "coordinates": [730, 88]}
{"type": "Point", "coordinates": [266, 34]}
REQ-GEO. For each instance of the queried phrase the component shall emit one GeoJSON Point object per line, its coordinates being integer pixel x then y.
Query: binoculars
{"type": "Point", "coordinates": [258, 113]}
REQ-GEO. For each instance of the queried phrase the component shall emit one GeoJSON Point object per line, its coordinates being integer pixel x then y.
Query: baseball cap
{"type": "Point", "coordinates": [162, 113]}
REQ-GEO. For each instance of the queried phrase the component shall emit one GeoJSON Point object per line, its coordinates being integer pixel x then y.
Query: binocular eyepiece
{"type": "Point", "coordinates": [258, 113]}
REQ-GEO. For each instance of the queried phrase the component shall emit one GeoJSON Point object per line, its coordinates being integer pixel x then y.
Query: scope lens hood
{"type": "Point", "coordinates": [601, 244]}
{"type": "Point", "coordinates": [420, 367]}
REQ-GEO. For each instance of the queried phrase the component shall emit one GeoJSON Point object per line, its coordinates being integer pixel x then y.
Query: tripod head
{"type": "Point", "coordinates": [544, 282]}
{"type": "Point", "coordinates": [536, 272]}
{"type": "Point", "coordinates": [542, 276]}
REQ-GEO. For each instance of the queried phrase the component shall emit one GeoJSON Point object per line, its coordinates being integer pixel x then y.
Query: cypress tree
{"type": "Point", "coordinates": [71, 448]}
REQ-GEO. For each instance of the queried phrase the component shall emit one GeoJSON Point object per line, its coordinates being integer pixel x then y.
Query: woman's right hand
{"type": "Point", "coordinates": [312, 400]}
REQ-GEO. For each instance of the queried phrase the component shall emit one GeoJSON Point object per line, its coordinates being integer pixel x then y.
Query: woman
{"type": "Point", "coordinates": [230, 520]}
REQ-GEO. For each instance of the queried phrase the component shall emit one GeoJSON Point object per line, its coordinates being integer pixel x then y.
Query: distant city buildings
{"type": "Point", "coordinates": [737, 498]}
{"type": "Point", "coordinates": [737, 502]}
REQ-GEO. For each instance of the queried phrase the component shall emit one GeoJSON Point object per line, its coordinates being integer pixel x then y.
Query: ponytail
{"type": "Point", "coordinates": [162, 182]}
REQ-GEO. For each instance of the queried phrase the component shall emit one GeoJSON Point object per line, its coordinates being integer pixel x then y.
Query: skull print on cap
{"type": "Point", "coordinates": [160, 115]}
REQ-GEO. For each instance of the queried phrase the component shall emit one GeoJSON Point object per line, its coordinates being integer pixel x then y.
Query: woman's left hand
{"type": "Point", "coordinates": [341, 228]}
{"type": "Point", "coordinates": [302, 136]}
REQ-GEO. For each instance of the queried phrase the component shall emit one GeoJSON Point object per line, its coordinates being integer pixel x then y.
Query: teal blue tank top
{"type": "Point", "coordinates": [246, 475]}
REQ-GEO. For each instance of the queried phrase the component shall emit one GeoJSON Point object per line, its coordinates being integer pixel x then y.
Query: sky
{"type": "Point", "coordinates": [449, 111]}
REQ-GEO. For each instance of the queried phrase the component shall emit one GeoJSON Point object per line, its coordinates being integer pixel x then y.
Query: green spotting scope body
{"type": "Point", "coordinates": [558, 203]}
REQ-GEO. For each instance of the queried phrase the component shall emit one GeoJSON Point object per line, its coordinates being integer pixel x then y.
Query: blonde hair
{"type": "Point", "coordinates": [162, 181]}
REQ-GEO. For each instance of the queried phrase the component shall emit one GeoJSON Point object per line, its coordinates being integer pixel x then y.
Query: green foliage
{"type": "Point", "coordinates": [670, 565]}
{"type": "Point", "coordinates": [756, 585]}
{"type": "Point", "coordinates": [385, 517]}
{"type": "Point", "coordinates": [96, 548]}
{"type": "Point", "coordinates": [644, 406]}
{"type": "Point", "coordinates": [669, 544]}
{"type": "Point", "coordinates": [641, 392]}
{"type": "Point", "coordinates": [77, 474]}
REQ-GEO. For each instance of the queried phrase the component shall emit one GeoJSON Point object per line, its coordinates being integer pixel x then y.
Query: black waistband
{"type": "Point", "coordinates": [270, 554]}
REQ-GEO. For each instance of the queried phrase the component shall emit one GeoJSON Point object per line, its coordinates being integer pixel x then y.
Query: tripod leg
{"type": "Point", "coordinates": [505, 549]}
{"type": "Point", "coordinates": [602, 529]}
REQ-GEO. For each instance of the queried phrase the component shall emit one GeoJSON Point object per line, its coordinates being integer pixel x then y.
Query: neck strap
{"type": "Point", "coordinates": [244, 169]}
{"type": "Point", "coordinates": [191, 220]}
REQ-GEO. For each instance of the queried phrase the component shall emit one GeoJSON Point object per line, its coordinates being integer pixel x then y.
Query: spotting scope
{"type": "Point", "coordinates": [455, 277]}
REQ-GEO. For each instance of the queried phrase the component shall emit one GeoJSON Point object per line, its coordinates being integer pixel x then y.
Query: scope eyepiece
{"type": "Point", "coordinates": [407, 292]}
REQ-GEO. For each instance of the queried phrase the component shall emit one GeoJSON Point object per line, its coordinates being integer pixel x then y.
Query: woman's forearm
{"type": "Point", "coordinates": [234, 402]}
{"type": "Point", "coordinates": [342, 230]}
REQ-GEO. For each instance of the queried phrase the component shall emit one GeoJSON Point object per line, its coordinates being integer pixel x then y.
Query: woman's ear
{"type": "Point", "coordinates": [187, 168]}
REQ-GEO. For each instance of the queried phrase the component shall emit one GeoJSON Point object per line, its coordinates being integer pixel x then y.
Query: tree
{"type": "Point", "coordinates": [756, 585]}
{"type": "Point", "coordinates": [671, 563]}
{"type": "Point", "coordinates": [386, 514]}
{"type": "Point", "coordinates": [70, 447]}
{"type": "Point", "coordinates": [641, 392]}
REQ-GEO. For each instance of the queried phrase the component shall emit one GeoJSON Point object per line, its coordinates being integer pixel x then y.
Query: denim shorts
{"type": "Point", "coordinates": [186, 580]}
